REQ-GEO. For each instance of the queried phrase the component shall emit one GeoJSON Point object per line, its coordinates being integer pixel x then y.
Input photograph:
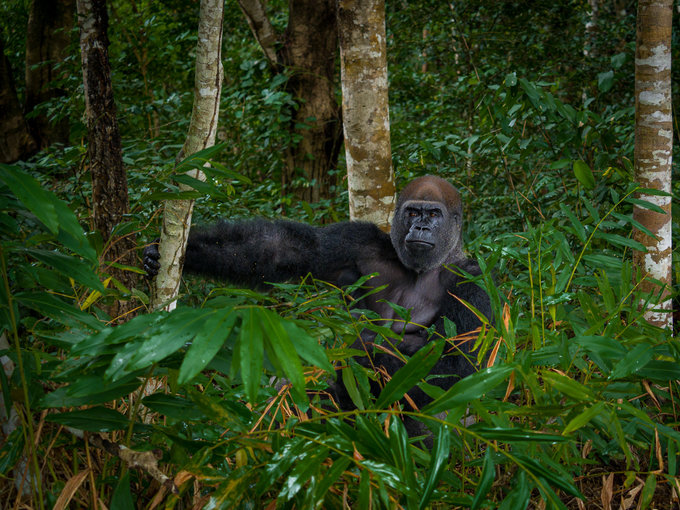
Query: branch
{"type": "Point", "coordinates": [256, 16]}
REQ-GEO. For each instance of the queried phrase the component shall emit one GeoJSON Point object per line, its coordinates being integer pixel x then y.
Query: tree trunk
{"type": "Point", "coordinates": [47, 40]}
{"type": "Point", "coordinates": [15, 140]}
{"type": "Point", "coordinates": [201, 135]}
{"type": "Point", "coordinates": [653, 151]}
{"type": "Point", "coordinates": [365, 111]}
{"type": "Point", "coordinates": [109, 179]}
{"type": "Point", "coordinates": [308, 52]}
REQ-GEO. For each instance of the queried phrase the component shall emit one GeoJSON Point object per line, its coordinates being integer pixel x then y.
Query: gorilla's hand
{"type": "Point", "coordinates": [150, 258]}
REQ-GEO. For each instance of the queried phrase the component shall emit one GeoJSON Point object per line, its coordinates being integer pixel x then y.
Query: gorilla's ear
{"type": "Point", "coordinates": [421, 240]}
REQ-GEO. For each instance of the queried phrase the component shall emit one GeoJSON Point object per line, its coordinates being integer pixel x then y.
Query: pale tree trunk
{"type": "Point", "coordinates": [48, 37]}
{"type": "Point", "coordinates": [109, 178]}
{"type": "Point", "coordinates": [653, 151]}
{"type": "Point", "coordinates": [201, 135]}
{"type": "Point", "coordinates": [365, 111]}
{"type": "Point", "coordinates": [16, 141]}
{"type": "Point", "coordinates": [307, 51]}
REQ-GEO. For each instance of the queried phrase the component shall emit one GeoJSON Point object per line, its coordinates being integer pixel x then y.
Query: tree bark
{"type": "Point", "coordinates": [201, 135]}
{"type": "Point", "coordinates": [307, 51]}
{"type": "Point", "coordinates": [16, 141]}
{"type": "Point", "coordinates": [48, 37]}
{"type": "Point", "coordinates": [365, 111]}
{"type": "Point", "coordinates": [109, 179]}
{"type": "Point", "coordinates": [653, 151]}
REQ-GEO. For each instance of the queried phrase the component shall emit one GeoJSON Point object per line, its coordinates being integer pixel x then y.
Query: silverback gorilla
{"type": "Point", "coordinates": [411, 262]}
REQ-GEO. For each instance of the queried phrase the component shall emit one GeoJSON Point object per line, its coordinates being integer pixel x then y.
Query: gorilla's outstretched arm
{"type": "Point", "coordinates": [253, 252]}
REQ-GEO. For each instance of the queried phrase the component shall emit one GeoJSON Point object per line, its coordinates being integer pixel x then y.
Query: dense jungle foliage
{"type": "Point", "coordinates": [528, 113]}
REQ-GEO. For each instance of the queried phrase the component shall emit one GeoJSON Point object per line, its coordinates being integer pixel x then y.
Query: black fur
{"type": "Point", "coordinates": [254, 252]}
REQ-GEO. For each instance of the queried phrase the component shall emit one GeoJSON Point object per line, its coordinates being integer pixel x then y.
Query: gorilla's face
{"type": "Point", "coordinates": [426, 229]}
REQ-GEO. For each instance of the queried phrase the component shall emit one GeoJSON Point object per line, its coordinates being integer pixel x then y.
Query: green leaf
{"type": "Point", "coordinates": [648, 491]}
{"type": "Point", "coordinates": [90, 390]}
{"type": "Point", "coordinates": [516, 435]}
{"type": "Point", "coordinates": [94, 419]}
{"type": "Point", "coordinates": [660, 371]}
{"type": "Point", "coordinates": [57, 309]}
{"type": "Point", "coordinates": [336, 470]}
{"type": "Point", "coordinates": [470, 388]}
{"type": "Point", "coordinates": [584, 174]}
{"type": "Point", "coordinates": [519, 495]}
{"type": "Point", "coordinates": [174, 406]}
{"type": "Point", "coordinates": [306, 467]}
{"type": "Point", "coordinates": [280, 350]}
{"type": "Point", "coordinates": [485, 480]}
{"type": "Point", "coordinates": [539, 470]}
{"type": "Point", "coordinates": [605, 80]}
{"type": "Point", "coordinates": [636, 358]}
{"type": "Point", "coordinates": [413, 371]}
{"type": "Point", "coordinates": [122, 497]}
{"type": "Point", "coordinates": [568, 386]}
{"type": "Point", "coordinates": [401, 454]}
{"type": "Point", "coordinates": [307, 346]}
{"type": "Point", "coordinates": [438, 460]}
{"type": "Point", "coordinates": [207, 342]}
{"type": "Point", "coordinates": [37, 200]}
{"type": "Point", "coordinates": [583, 418]}
{"type": "Point", "coordinates": [251, 348]}
{"type": "Point", "coordinates": [70, 267]}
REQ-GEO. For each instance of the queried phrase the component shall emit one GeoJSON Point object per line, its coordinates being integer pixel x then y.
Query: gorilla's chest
{"type": "Point", "coordinates": [421, 294]}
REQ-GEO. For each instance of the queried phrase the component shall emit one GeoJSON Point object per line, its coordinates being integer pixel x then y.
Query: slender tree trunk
{"type": "Point", "coordinates": [653, 150]}
{"type": "Point", "coordinates": [201, 135]}
{"type": "Point", "coordinates": [365, 110]}
{"type": "Point", "coordinates": [47, 40]}
{"type": "Point", "coordinates": [16, 141]}
{"type": "Point", "coordinates": [307, 51]}
{"type": "Point", "coordinates": [109, 179]}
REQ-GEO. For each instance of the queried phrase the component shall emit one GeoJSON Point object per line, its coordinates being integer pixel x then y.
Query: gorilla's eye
{"type": "Point", "coordinates": [434, 214]}
{"type": "Point", "coordinates": [412, 214]}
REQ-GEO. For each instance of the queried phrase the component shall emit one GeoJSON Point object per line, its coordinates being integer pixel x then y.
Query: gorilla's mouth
{"type": "Point", "coordinates": [419, 244]}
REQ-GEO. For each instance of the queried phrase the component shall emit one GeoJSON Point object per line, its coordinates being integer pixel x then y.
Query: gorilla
{"type": "Point", "coordinates": [418, 264]}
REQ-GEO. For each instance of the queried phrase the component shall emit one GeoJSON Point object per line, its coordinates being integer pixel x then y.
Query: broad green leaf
{"type": "Point", "coordinates": [568, 386]}
{"type": "Point", "coordinates": [636, 358]}
{"type": "Point", "coordinates": [618, 240]}
{"type": "Point", "coordinates": [336, 470]}
{"type": "Point", "coordinates": [660, 371]}
{"type": "Point", "coordinates": [470, 388]}
{"type": "Point", "coordinates": [518, 498]}
{"type": "Point", "coordinates": [71, 267]}
{"type": "Point", "coordinates": [37, 200]}
{"type": "Point", "coordinates": [94, 419]}
{"type": "Point", "coordinates": [306, 467]}
{"type": "Point", "coordinates": [648, 491]}
{"type": "Point", "coordinates": [605, 80]}
{"type": "Point", "coordinates": [538, 469]}
{"type": "Point", "coordinates": [401, 454]}
{"type": "Point", "coordinates": [174, 406]}
{"type": "Point", "coordinates": [173, 333]}
{"type": "Point", "coordinates": [207, 342]}
{"type": "Point", "coordinates": [90, 390]}
{"type": "Point", "coordinates": [57, 309]}
{"type": "Point", "coordinates": [122, 497]}
{"type": "Point", "coordinates": [584, 174]}
{"type": "Point", "coordinates": [413, 371]}
{"type": "Point", "coordinates": [485, 480]}
{"type": "Point", "coordinates": [307, 347]}
{"type": "Point", "coordinates": [251, 349]}
{"type": "Point", "coordinates": [439, 458]}
{"type": "Point", "coordinates": [583, 418]}
{"type": "Point", "coordinates": [280, 350]}
{"type": "Point", "coordinates": [351, 386]}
